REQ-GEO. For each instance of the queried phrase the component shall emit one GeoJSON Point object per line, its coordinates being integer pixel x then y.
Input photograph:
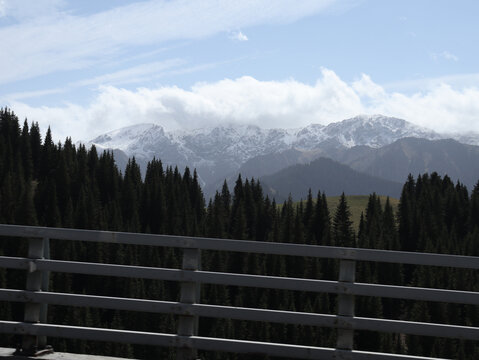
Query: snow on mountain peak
{"type": "Point", "coordinates": [375, 131]}
{"type": "Point", "coordinates": [124, 137]}
{"type": "Point", "coordinates": [240, 142]}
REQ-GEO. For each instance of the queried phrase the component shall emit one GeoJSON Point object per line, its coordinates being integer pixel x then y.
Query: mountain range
{"type": "Point", "coordinates": [378, 146]}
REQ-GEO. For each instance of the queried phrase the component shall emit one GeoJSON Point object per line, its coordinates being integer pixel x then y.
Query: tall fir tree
{"type": "Point", "coordinates": [343, 233]}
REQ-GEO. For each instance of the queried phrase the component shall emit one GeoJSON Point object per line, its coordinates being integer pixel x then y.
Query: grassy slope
{"type": "Point", "coordinates": [357, 204]}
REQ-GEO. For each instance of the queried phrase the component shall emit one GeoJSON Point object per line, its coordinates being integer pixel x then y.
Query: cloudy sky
{"type": "Point", "coordinates": [85, 67]}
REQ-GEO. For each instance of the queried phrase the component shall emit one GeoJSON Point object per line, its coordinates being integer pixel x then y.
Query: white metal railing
{"type": "Point", "coordinates": [189, 310]}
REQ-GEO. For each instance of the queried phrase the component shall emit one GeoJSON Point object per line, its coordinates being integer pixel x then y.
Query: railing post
{"type": "Point", "coordinates": [190, 294]}
{"type": "Point", "coordinates": [42, 340]}
{"type": "Point", "coordinates": [347, 274]}
{"type": "Point", "coordinates": [34, 283]}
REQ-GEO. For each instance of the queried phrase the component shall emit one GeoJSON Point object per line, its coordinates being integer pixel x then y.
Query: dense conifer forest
{"type": "Point", "coordinates": [63, 185]}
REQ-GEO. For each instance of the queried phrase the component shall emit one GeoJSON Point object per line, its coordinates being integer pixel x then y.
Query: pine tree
{"type": "Point", "coordinates": [238, 224]}
{"type": "Point", "coordinates": [474, 209]}
{"type": "Point", "coordinates": [131, 193]}
{"type": "Point", "coordinates": [374, 223]}
{"type": "Point", "coordinates": [407, 216]}
{"type": "Point", "coordinates": [26, 151]}
{"type": "Point", "coordinates": [47, 156]}
{"type": "Point", "coordinates": [287, 221]}
{"type": "Point", "coordinates": [343, 233]}
{"type": "Point", "coordinates": [308, 219]}
{"type": "Point", "coordinates": [26, 213]}
{"type": "Point", "coordinates": [35, 145]}
{"type": "Point", "coordinates": [321, 222]}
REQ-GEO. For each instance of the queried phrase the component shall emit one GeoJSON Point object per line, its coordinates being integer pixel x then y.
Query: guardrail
{"type": "Point", "coordinates": [34, 329]}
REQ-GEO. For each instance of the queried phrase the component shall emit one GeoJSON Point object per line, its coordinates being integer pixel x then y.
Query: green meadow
{"type": "Point", "coordinates": [357, 205]}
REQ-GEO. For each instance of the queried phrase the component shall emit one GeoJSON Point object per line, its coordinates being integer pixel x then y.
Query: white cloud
{"type": "Point", "coordinates": [467, 80]}
{"type": "Point", "coordinates": [366, 88]}
{"type": "Point", "coordinates": [39, 46]}
{"type": "Point", "coordinates": [446, 55]}
{"type": "Point", "coordinates": [443, 108]}
{"type": "Point", "coordinates": [27, 10]}
{"type": "Point", "coordinates": [244, 100]}
{"type": "Point", "coordinates": [133, 74]}
{"type": "Point", "coordinates": [3, 8]}
{"type": "Point", "coordinates": [238, 35]}
{"type": "Point", "coordinates": [268, 104]}
{"type": "Point", "coordinates": [31, 94]}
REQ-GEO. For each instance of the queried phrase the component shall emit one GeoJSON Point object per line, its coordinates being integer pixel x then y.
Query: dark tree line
{"type": "Point", "coordinates": [63, 185]}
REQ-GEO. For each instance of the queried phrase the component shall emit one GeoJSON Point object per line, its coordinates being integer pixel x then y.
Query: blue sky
{"type": "Point", "coordinates": [86, 67]}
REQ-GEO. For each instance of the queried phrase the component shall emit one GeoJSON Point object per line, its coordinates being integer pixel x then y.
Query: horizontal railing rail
{"type": "Point", "coordinates": [188, 309]}
{"type": "Point", "coordinates": [238, 313]}
{"type": "Point", "coordinates": [245, 246]}
{"type": "Point", "coordinates": [259, 281]}
{"type": "Point", "coordinates": [204, 343]}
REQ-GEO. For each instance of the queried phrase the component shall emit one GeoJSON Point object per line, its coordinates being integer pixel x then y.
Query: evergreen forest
{"type": "Point", "coordinates": [66, 185]}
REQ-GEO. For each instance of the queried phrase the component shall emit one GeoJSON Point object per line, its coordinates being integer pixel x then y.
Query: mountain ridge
{"type": "Point", "coordinates": [218, 152]}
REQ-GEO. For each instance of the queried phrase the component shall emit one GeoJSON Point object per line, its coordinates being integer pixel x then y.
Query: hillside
{"type": "Point", "coordinates": [358, 204]}
{"type": "Point", "coordinates": [416, 156]}
{"type": "Point", "coordinates": [328, 176]}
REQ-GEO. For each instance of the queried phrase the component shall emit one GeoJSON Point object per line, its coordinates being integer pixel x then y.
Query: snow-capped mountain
{"type": "Point", "coordinates": [219, 151]}
{"type": "Point", "coordinates": [375, 131]}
